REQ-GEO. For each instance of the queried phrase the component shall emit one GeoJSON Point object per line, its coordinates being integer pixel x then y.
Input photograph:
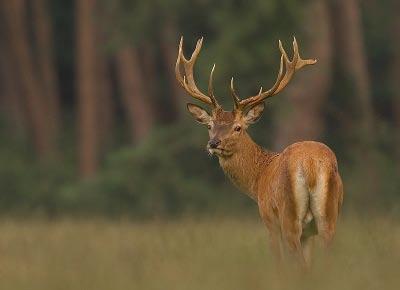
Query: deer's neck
{"type": "Point", "coordinates": [246, 165]}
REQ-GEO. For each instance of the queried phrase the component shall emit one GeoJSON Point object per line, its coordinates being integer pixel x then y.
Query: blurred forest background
{"type": "Point", "coordinates": [92, 121]}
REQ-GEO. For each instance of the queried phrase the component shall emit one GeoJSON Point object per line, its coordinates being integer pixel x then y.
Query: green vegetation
{"type": "Point", "coordinates": [210, 253]}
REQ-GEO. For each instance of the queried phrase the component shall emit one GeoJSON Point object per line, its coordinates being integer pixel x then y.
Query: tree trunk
{"type": "Point", "coordinates": [45, 58]}
{"type": "Point", "coordinates": [395, 75]}
{"type": "Point", "coordinates": [14, 15]}
{"type": "Point", "coordinates": [151, 75]}
{"type": "Point", "coordinates": [353, 62]}
{"type": "Point", "coordinates": [352, 57]}
{"type": "Point", "coordinates": [304, 119]}
{"type": "Point", "coordinates": [86, 86]}
{"type": "Point", "coordinates": [134, 96]}
{"type": "Point", "coordinates": [106, 104]}
{"type": "Point", "coordinates": [12, 106]}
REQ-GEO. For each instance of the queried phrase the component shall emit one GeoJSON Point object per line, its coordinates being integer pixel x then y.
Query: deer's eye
{"type": "Point", "coordinates": [208, 126]}
{"type": "Point", "coordinates": [237, 128]}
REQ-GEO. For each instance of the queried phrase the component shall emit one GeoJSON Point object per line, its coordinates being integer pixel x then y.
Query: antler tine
{"type": "Point", "coordinates": [283, 52]}
{"type": "Point", "coordinates": [235, 97]}
{"type": "Point", "coordinates": [187, 81]}
{"type": "Point", "coordinates": [210, 87]}
{"type": "Point", "coordinates": [291, 66]}
{"type": "Point", "coordinates": [301, 62]}
{"type": "Point", "coordinates": [178, 62]}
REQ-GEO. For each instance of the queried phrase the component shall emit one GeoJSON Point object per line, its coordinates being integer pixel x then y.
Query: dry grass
{"type": "Point", "coordinates": [218, 253]}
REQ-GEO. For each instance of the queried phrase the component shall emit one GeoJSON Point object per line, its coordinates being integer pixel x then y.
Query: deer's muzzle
{"type": "Point", "coordinates": [213, 143]}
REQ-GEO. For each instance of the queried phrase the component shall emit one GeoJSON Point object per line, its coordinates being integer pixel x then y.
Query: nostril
{"type": "Point", "coordinates": [213, 143]}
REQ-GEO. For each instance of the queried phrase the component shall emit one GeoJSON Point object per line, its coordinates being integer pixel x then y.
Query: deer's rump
{"type": "Point", "coordinates": [314, 182]}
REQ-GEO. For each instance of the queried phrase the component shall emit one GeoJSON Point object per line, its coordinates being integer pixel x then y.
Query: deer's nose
{"type": "Point", "coordinates": [213, 143]}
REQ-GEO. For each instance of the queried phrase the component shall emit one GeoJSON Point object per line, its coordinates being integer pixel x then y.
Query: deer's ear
{"type": "Point", "coordinates": [198, 113]}
{"type": "Point", "coordinates": [254, 114]}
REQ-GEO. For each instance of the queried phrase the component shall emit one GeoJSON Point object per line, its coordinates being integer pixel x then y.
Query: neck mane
{"type": "Point", "coordinates": [245, 166]}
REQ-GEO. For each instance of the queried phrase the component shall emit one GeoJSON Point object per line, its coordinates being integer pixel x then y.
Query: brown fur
{"type": "Point", "coordinates": [299, 191]}
{"type": "Point", "coordinates": [270, 179]}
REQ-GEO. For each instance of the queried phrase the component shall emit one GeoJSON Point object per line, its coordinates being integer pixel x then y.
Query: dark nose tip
{"type": "Point", "coordinates": [213, 143]}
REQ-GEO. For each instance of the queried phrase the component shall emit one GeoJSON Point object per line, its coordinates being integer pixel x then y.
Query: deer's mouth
{"type": "Point", "coordinates": [215, 151]}
{"type": "Point", "coordinates": [219, 151]}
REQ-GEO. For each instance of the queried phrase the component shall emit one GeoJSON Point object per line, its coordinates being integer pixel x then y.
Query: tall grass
{"type": "Point", "coordinates": [188, 254]}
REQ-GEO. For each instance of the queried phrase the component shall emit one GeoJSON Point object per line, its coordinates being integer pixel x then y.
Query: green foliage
{"type": "Point", "coordinates": [168, 174]}
{"type": "Point", "coordinates": [26, 186]}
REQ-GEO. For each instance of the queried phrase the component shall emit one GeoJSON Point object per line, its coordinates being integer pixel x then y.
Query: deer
{"type": "Point", "coordinates": [299, 191]}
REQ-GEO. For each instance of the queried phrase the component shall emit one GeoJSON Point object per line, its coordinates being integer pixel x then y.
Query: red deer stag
{"type": "Point", "coordinates": [299, 190]}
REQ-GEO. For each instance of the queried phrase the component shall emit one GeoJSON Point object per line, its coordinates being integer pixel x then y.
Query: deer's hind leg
{"type": "Point", "coordinates": [308, 237]}
{"type": "Point", "coordinates": [292, 232]}
{"type": "Point", "coordinates": [296, 216]}
{"type": "Point", "coordinates": [325, 205]}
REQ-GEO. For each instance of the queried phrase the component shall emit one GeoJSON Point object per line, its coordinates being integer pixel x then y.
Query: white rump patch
{"type": "Point", "coordinates": [318, 197]}
{"type": "Point", "coordinates": [301, 196]}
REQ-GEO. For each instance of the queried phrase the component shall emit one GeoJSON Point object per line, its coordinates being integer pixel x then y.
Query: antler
{"type": "Point", "coordinates": [281, 81]}
{"type": "Point", "coordinates": [187, 81]}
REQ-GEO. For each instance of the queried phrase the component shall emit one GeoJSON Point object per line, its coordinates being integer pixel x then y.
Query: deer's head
{"type": "Point", "coordinates": [227, 128]}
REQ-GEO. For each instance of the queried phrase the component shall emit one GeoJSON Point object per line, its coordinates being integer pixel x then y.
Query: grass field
{"type": "Point", "coordinates": [189, 254]}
